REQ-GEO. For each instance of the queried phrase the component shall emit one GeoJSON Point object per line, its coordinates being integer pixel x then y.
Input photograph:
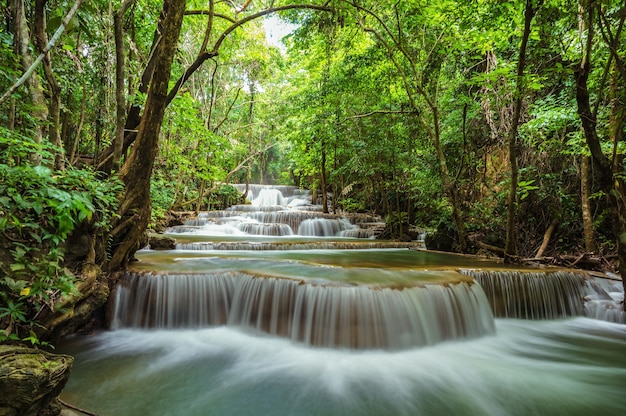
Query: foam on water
{"type": "Point", "coordinates": [539, 368]}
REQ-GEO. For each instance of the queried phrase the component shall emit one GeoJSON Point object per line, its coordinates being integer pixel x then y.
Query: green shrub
{"type": "Point", "coordinates": [39, 208]}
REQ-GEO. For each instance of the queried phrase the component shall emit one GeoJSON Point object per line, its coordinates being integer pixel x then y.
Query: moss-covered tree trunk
{"type": "Point", "coordinates": [135, 206]}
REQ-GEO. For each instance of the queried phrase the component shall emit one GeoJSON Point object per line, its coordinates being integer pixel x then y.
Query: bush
{"type": "Point", "coordinates": [39, 208]}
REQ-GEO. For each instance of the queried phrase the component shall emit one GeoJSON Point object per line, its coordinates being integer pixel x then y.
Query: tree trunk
{"type": "Point", "coordinates": [546, 237]}
{"type": "Point", "coordinates": [510, 247]}
{"type": "Point", "coordinates": [79, 127]}
{"type": "Point", "coordinates": [200, 196]}
{"type": "Point", "coordinates": [22, 48]}
{"type": "Point", "coordinates": [135, 206]}
{"type": "Point", "coordinates": [134, 116]}
{"type": "Point", "coordinates": [323, 180]}
{"type": "Point", "coordinates": [120, 97]}
{"type": "Point", "coordinates": [590, 245]}
{"type": "Point", "coordinates": [41, 40]}
{"type": "Point", "coordinates": [611, 179]}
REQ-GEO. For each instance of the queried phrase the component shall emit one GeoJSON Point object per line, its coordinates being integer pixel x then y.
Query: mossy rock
{"type": "Point", "coordinates": [31, 380]}
{"type": "Point", "coordinates": [161, 242]}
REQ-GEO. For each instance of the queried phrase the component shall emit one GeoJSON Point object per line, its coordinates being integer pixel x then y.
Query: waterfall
{"type": "Point", "coordinates": [269, 197]}
{"type": "Point", "coordinates": [301, 222]}
{"type": "Point", "coordinates": [324, 227]}
{"type": "Point", "coordinates": [607, 303]}
{"type": "Point", "coordinates": [280, 207]}
{"type": "Point", "coordinates": [309, 245]}
{"type": "Point", "coordinates": [334, 315]}
{"type": "Point", "coordinates": [534, 295]}
{"type": "Point", "coordinates": [253, 228]}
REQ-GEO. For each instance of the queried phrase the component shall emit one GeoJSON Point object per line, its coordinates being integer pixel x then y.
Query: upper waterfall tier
{"type": "Point", "coordinates": [280, 211]}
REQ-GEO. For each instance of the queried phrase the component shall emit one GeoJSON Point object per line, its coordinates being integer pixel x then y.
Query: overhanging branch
{"type": "Point", "coordinates": [204, 55]}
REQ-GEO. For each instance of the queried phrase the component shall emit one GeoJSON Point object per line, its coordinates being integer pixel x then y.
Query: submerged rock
{"type": "Point", "coordinates": [31, 380]}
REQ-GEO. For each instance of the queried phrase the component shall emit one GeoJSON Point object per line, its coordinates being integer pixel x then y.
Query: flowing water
{"type": "Point", "coordinates": [274, 308]}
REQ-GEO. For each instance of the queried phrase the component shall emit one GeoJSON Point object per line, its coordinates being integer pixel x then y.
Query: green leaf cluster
{"type": "Point", "coordinates": [39, 209]}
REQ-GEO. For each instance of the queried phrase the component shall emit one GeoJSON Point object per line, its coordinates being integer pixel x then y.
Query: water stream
{"type": "Point", "coordinates": [274, 308]}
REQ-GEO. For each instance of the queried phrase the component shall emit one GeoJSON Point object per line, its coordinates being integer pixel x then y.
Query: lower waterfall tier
{"type": "Point", "coordinates": [326, 315]}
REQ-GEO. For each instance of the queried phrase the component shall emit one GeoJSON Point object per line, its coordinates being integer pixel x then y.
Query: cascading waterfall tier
{"type": "Point", "coordinates": [280, 211]}
{"type": "Point", "coordinates": [290, 245]}
{"type": "Point", "coordinates": [306, 223]}
{"type": "Point", "coordinates": [326, 315]}
{"type": "Point", "coordinates": [538, 295]}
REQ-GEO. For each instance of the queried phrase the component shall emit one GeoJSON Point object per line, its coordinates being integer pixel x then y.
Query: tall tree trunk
{"type": "Point", "coordinates": [22, 48]}
{"type": "Point", "coordinates": [610, 174]}
{"type": "Point", "coordinates": [41, 40]}
{"type": "Point", "coordinates": [135, 205]}
{"type": "Point", "coordinates": [134, 116]}
{"type": "Point", "coordinates": [510, 248]}
{"type": "Point", "coordinates": [120, 97]}
{"type": "Point", "coordinates": [590, 244]}
{"type": "Point", "coordinates": [250, 136]}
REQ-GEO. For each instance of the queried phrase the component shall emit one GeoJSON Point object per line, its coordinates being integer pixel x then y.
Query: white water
{"type": "Point", "coordinates": [570, 367]}
{"type": "Point", "coordinates": [272, 213]}
{"type": "Point", "coordinates": [314, 314]}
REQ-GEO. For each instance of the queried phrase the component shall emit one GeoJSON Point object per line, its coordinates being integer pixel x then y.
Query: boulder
{"type": "Point", "coordinates": [31, 380]}
{"type": "Point", "coordinates": [161, 242]}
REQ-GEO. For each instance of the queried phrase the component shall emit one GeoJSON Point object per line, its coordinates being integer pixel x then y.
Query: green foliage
{"type": "Point", "coordinates": [224, 197]}
{"type": "Point", "coordinates": [161, 195]}
{"type": "Point", "coordinates": [39, 209]}
{"type": "Point", "coordinates": [524, 188]}
{"type": "Point", "coordinates": [397, 222]}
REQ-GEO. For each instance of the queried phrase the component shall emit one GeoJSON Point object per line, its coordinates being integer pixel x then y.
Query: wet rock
{"type": "Point", "coordinates": [31, 380]}
{"type": "Point", "coordinates": [161, 242]}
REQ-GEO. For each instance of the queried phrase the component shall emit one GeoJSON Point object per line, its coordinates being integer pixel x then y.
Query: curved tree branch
{"type": "Point", "coordinates": [43, 53]}
{"type": "Point", "coordinates": [204, 55]}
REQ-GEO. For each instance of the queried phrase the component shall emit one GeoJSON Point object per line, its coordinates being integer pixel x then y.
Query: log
{"type": "Point", "coordinates": [546, 237]}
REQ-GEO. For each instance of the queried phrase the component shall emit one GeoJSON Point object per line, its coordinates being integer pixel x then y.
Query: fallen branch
{"type": "Point", "coordinates": [546, 237]}
{"type": "Point", "coordinates": [78, 409]}
{"type": "Point", "coordinates": [497, 250]}
{"type": "Point", "coordinates": [584, 261]}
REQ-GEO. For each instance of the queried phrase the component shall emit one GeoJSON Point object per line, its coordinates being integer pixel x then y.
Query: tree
{"type": "Point", "coordinates": [135, 206]}
{"type": "Point", "coordinates": [610, 22]}
{"type": "Point", "coordinates": [511, 224]}
{"type": "Point", "coordinates": [134, 211]}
